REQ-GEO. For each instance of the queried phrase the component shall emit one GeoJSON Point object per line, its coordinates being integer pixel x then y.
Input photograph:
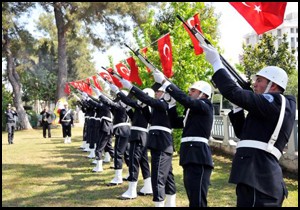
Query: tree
{"type": "Point", "coordinates": [16, 43]}
{"type": "Point", "coordinates": [111, 15]}
{"type": "Point", "coordinates": [264, 54]}
{"type": "Point", "coordinates": [187, 67]}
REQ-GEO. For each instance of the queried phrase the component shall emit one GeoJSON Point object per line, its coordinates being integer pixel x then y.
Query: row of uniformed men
{"type": "Point", "coordinates": [263, 134]}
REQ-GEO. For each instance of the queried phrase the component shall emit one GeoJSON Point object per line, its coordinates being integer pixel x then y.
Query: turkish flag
{"type": "Point", "coordinates": [82, 86]}
{"type": "Point", "coordinates": [194, 22]}
{"type": "Point", "coordinates": [165, 53]}
{"type": "Point", "coordinates": [115, 79]}
{"type": "Point", "coordinates": [67, 89]}
{"type": "Point", "coordinates": [123, 71]}
{"type": "Point", "coordinates": [134, 73]}
{"type": "Point", "coordinates": [106, 76]}
{"type": "Point", "coordinates": [262, 16]}
{"type": "Point", "coordinates": [96, 82]}
{"type": "Point", "coordinates": [144, 50]}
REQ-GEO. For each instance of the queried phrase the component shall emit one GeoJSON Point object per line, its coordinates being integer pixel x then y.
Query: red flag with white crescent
{"type": "Point", "coordinates": [134, 73]}
{"type": "Point", "coordinates": [165, 53]}
{"type": "Point", "coordinates": [123, 71]}
{"type": "Point", "coordinates": [106, 76]}
{"type": "Point", "coordinates": [262, 16]}
{"type": "Point", "coordinates": [115, 79]}
{"type": "Point", "coordinates": [194, 22]}
{"type": "Point", "coordinates": [96, 82]}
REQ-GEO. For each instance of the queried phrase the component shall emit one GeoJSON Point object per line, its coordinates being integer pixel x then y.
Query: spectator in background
{"type": "Point", "coordinates": [46, 121]}
{"type": "Point", "coordinates": [11, 115]}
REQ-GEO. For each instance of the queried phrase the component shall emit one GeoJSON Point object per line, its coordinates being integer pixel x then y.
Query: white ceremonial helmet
{"type": "Point", "coordinates": [274, 74]}
{"type": "Point", "coordinates": [149, 92]}
{"type": "Point", "coordinates": [203, 86]}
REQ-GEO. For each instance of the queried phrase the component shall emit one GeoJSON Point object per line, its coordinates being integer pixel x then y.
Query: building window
{"type": "Point", "coordinates": [292, 30]}
{"type": "Point", "coordinates": [278, 32]}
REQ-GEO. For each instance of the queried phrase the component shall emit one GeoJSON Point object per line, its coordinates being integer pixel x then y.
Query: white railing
{"type": "Point", "coordinates": [223, 130]}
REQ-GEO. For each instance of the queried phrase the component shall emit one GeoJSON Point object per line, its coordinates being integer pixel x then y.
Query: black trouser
{"type": "Point", "coordinates": [121, 145]}
{"type": "Point", "coordinates": [100, 144]}
{"type": "Point", "coordinates": [138, 156]}
{"type": "Point", "coordinates": [11, 130]}
{"type": "Point", "coordinates": [248, 196]}
{"type": "Point", "coordinates": [162, 177]}
{"type": "Point", "coordinates": [109, 148]}
{"type": "Point", "coordinates": [66, 129]}
{"type": "Point", "coordinates": [46, 126]}
{"type": "Point", "coordinates": [196, 180]}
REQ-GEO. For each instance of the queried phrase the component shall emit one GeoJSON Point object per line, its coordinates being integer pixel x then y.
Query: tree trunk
{"type": "Point", "coordinates": [14, 80]}
{"type": "Point", "coordinates": [62, 58]}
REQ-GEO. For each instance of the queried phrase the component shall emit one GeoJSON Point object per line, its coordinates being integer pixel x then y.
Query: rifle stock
{"type": "Point", "coordinates": [237, 78]}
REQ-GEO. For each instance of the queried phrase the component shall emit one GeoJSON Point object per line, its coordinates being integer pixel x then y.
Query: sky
{"type": "Point", "coordinates": [233, 27]}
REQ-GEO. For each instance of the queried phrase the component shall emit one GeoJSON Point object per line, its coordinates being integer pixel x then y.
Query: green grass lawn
{"type": "Point", "coordinates": [38, 172]}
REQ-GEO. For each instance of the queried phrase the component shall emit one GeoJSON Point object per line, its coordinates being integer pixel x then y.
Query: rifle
{"type": "Point", "coordinates": [236, 77]}
{"type": "Point", "coordinates": [104, 94]}
{"type": "Point", "coordinates": [81, 93]}
{"type": "Point", "coordinates": [145, 61]}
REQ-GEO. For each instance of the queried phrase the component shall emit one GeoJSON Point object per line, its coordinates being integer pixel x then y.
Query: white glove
{"type": "Point", "coordinates": [212, 56]}
{"type": "Point", "coordinates": [236, 108]}
{"type": "Point", "coordinates": [126, 84]}
{"type": "Point", "coordinates": [114, 88]}
{"type": "Point", "coordinates": [97, 91]}
{"type": "Point", "coordinates": [172, 103]}
{"type": "Point", "coordinates": [85, 96]}
{"type": "Point", "coordinates": [158, 77]}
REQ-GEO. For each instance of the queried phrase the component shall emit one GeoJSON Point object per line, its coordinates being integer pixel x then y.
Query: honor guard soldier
{"type": "Point", "coordinates": [66, 121]}
{"type": "Point", "coordinates": [138, 153]}
{"type": "Point", "coordinates": [160, 144]}
{"type": "Point", "coordinates": [105, 128]}
{"type": "Point", "coordinates": [121, 131]}
{"type": "Point", "coordinates": [11, 115]}
{"type": "Point", "coordinates": [195, 153]}
{"type": "Point", "coordinates": [263, 133]}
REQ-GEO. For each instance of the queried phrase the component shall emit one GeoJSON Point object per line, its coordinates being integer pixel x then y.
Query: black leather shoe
{"type": "Point", "coordinates": [113, 184]}
{"type": "Point", "coordinates": [144, 194]}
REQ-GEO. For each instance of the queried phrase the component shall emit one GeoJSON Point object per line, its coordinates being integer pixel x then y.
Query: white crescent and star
{"type": "Point", "coordinates": [166, 48]}
{"type": "Point", "coordinates": [256, 7]}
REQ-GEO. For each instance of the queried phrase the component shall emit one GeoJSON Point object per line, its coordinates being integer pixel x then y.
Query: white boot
{"type": "Point", "coordinates": [92, 153]}
{"type": "Point", "coordinates": [87, 147]}
{"type": "Point", "coordinates": [66, 140]}
{"type": "Point", "coordinates": [98, 167]}
{"type": "Point", "coordinates": [82, 145]}
{"type": "Point", "coordinates": [170, 200]}
{"type": "Point", "coordinates": [147, 188]}
{"type": "Point", "coordinates": [131, 192]}
{"type": "Point", "coordinates": [118, 178]}
{"type": "Point", "coordinates": [69, 140]}
{"type": "Point", "coordinates": [159, 203]}
{"type": "Point", "coordinates": [94, 161]}
{"type": "Point", "coordinates": [106, 157]}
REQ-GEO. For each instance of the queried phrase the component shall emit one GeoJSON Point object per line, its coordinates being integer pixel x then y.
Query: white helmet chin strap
{"type": "Point", "coordinates": [200, 95]}
{"type": "Point", "coordinates": [268, 87]}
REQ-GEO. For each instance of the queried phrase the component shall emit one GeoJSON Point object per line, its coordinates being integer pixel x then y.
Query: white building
{"type": "Point", "coordinates": [289, 27]}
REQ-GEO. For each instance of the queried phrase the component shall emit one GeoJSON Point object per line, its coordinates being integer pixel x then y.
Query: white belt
{"type": "Point", "coordinates": [139, 129]}
{"type": "Point", "coordinates": [194, 139]}
{"type": "Point", "coordinates": [160, 128]}
{"type": "Point", "coordinates": [106, 118]}
{"type": "Point", "coordinates": [65, 120]}
{"type": "Point", "coordinates": [259, 145]}
{"type": "Point", "coordinates": [95, 118]}
{"type": "Point", "coordinates": [121, 124]}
